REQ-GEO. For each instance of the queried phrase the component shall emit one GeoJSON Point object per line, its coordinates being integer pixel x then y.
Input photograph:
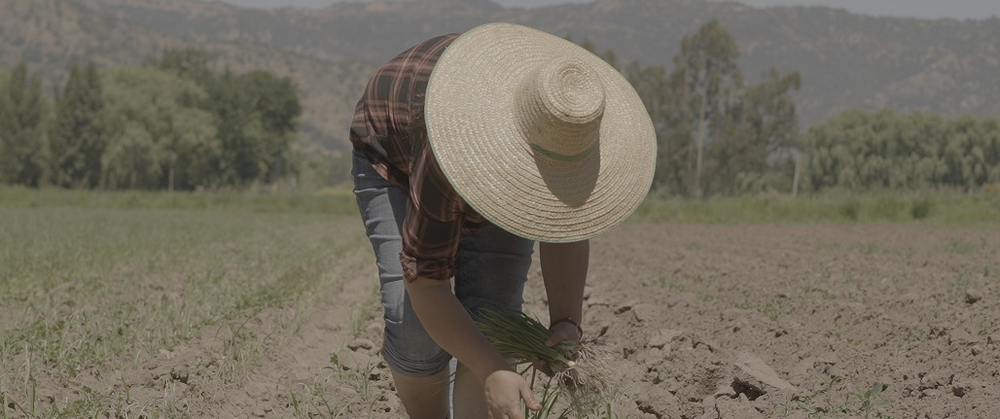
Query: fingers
{"type": "Point", "coordinates": [529, 398]}
{"type": "Point", "coordinates": [515, 412]}
{"type": "Point", "coordinates": [560, 332]}
{"type": "Point", "coordinates": [510, 412]}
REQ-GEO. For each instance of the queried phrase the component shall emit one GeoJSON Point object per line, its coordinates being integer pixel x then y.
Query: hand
{"type": "Point", "coordinates": [559, 332]}
{"type": "Point", "coordinates": [504, 389]}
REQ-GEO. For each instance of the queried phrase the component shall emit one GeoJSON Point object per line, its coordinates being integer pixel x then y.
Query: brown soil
{"type": "Point", "coordinates": [705, 322]}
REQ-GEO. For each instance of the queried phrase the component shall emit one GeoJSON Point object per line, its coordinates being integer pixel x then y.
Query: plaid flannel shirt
{"type": "Point", "coordinates": [388, 128]}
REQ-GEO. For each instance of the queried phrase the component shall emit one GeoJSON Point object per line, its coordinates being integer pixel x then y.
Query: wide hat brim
{"type": "Point", "coordinates": [472, 129]}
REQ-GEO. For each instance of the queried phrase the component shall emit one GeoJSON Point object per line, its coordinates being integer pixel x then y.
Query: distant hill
{"type": "Point", "coordinates": [50, 35]}
{"type": "Point", "coordinates": [846, 60]}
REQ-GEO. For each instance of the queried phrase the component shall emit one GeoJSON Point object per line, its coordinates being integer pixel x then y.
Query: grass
{"type": "Point", "coordinates": [323, 396]}
{"type": "Point", "coordinates": [773, 309]}
{"type": "Point", "coordinates": [864, 403]}
{"type": "Point", "coordinates": [840, 207]}
{"type": "Point", "coordinates": [935, 207]}
{"type": "Point", "coordinates": [326, 201]}
{"type": "Point", "coordinates": [362, 310]}
{"type": "Point", "coordinates": [93, 285]}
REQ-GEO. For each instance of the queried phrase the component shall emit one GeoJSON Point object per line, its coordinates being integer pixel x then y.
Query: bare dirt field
{"type": "Point", "coordinates": [730, 322]}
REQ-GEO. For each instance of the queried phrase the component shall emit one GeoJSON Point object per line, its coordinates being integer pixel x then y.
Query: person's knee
{"type": "Point", "coordinates": [415, 360]}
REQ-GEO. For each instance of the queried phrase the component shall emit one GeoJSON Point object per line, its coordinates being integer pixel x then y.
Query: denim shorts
{"type": "Point", "coordinates": [491, 269]}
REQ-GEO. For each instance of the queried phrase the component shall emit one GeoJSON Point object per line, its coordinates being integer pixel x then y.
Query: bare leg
{"type": "Point", "coordinates": [424, 397]}
{"type": "Point", "coordinates": [470, 398]}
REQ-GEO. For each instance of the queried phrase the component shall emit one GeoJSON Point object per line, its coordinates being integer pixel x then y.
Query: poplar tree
{"type": "Point", "coordinates": [707, 81]}
{"type": "Point", "coordinates": [275, 102]}
{"type": "Point", "coordinates": [23, 113]}
{"type": "Point", "coordinates": [78, 133]}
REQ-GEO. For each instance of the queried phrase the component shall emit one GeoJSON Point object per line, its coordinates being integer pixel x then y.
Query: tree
{"type": "Point", "coordinates": [276, 102]}
{"type": "Point", "coordinates": [705, 83]}
{"type": "Point", "coordinates": [158, 136]}
{"type": "Point", "coordinates": [715, 135]}
{"type": "Point", "coordinates": [190, 63]}
{"type": "Point", "coordinates": [78, 133]}
{"type": "Point", "coordinates": [243, 158]}
{"type": "Point", "coordinates": [23, 114]}
{"type": "Point", "coordinates": [966, 154]}
{"type": "Point", "coordinates": [256, 115]}
{"type": "Point", "coordinates": [759, 132]}
{"type": "Point", "coordinates": [769, 113]}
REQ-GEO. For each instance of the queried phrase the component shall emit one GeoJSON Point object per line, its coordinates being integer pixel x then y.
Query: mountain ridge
{"type": "Point", "coordinates": [846, 60]}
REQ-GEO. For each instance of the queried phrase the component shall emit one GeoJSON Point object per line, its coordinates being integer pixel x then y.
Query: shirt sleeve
{"type": "Point", "coordinates": [433, 224]}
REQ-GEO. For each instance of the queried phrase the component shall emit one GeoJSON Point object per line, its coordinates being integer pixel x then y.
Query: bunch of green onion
{"type": "Point", "coordinates": [521, 338]}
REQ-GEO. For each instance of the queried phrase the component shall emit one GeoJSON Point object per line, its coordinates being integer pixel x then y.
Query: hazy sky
{"type": "Point", "coordinates": [927, 9]}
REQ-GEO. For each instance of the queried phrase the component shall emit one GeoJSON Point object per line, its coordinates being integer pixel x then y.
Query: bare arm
{"type": "Point", "coordinates": [564, 268]}
{"type": "Point", "coordinates": [449, 324]}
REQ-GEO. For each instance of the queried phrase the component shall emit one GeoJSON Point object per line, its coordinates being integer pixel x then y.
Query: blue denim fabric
{"type": "Point", "coordinates": [491, 269]}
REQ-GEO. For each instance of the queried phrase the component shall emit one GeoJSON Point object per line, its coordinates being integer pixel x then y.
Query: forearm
{"type": "Point", "coordinates": [564, 269]}
{"type": "Point", "coordinates": [452, 328]}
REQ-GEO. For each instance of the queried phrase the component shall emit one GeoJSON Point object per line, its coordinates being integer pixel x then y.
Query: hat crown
{"type": "Point", "coordinates": [559, 108]}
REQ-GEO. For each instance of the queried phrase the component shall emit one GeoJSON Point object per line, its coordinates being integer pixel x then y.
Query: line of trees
{"type": "Point", "coordinates": [176, 124]}
{"type": "Point", "coordinates": [170, 124]}
{"type": "Point", "coordinates": [718, 135]}
{"type": "Point", "coordinates": [859, 150]}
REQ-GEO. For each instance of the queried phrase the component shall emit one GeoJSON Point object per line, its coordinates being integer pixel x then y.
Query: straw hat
{"type": "Point", "coordinates": [541, 137]}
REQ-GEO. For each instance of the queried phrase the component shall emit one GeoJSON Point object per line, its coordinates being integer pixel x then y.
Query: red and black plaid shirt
{"type": "Point", "coordinates": [388, 127]}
